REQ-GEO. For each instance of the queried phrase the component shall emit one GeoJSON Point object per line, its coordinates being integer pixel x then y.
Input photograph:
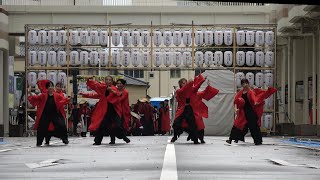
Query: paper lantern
{"type": "Point", "coordinates": [157, 58]}
{"type": "Point", "coordinates": [52, 37]}
{"type": "Point", "coordinates": [135, 38]}
{"type": "Point", "coordinates": [208, 37]}
{"type": "Point", "coordinates": [228, 58]}
{"type": "Point", "coordinates": [115, 37]}
{"type": "Point", "coordinates": [74, 37]}
{"type": "Point", "coordinates": [208, 58]}
{"type": "Point", "coordinates": [239, 77]}
{"type": "Point", "coordinates": [32, 58]}
{"type": "Point", "coordinates": [145, 58]}
{"type": "Point", "coordinates": [250, 38]}
{"type": "Point", "coordinates": [157, 38]}
{"type": "Point", "coordinates": [240, 37]}
{"type": "Point", "coordinates": [94, 37]}
{"type": "Point", "coordinates": [74, 58]}
{"type": "Point", "coordinates": [259, 58]}
{"type": "Point", "coordinates": [126, 40]}
{"type": "Point", "coordinates": [268, 121]}
{"type": "Point", "coordinates": [93, 58]}
{"type": "Point", "coordinates": [52, 58]}
{"type": "Point", "coordinates": [62, 37]}
{"type": "Point", "coordinates": [42, 58]}
{"type": "Point", "coordinates": [187, 38]}
{"type": "Point", "coordinates": [259, 80]}
{"type": "Point", "coordinates": [32, 37]}
{"type": "Point", "coordinates": [269, 56]}
{"type": "Point", "coordinates": [84, 58]}
{"type": "Point", "coordinates": [199, 38]}
{"type": "Point", "coordinates": [186, 58]}
{"type": "Point", "coordinates": [198, 58]}
{"type": "Point", "coordinates": [42, 75]}
{"type": "Point", "coordinates": [116, 58]}
{"type": "Point", "coordinates": [218, 38]}
{"type": "Point", "coordinates": [52, 76]}
{"type": "Point", "coordinates": [84, 39]}
{"type": "Point", "coordinates": [61, 58]}
{"type": "Point", "coordinates": [104, 58]}
{"type": "Point", "coordinates": [62, 78]}
{"type": "Point", "coordinates": [32, 79]}
{"type": "Point", "coordinates": [176, 59]}
{"type": "Point", "coordinates": [268, 79]}
{"type": "Point", "coordinates": [135, 58]}
{"type": "Point", "coordinates": [250, 58]}
{"type": "Point", "coordinates": [42, 37]}
{"type": "Point", "coordinates": [103, 38]}
{"type": "Point", "coordinates": [269, 102]}
{"type": "Point", "coordinates": [240, 58]}
{"type": "Point", "coordinates": [259, 38]}
{"type": "Point", "coordinates": [250, 77]}
{"type": "Point", "coordinates": [269, 38]}
{"type": "Point", "coordinates": [125, 58]}
{"type": "Point", "coordinates": [228, 37]}
{"type": "Point", "coordinates": [167, 38]}
{"type": "Point", "coordinates": [177, 38]}
{"type": "Point", "coordinates": [218, 58]}
{"type": "Point", "coordinates": [145, 35]}
{"type": "Point", "coordinates": [167, 58]}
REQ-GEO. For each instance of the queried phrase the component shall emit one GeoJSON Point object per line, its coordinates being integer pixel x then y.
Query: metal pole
{"type": "Point", "coordinates": [314, 96]}
{"type": "Point", "coordinates": [305, 83]}
{"type": "Point", "coordinates": [289, 79]}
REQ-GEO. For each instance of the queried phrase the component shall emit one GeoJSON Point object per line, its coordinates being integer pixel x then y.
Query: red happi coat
{"type": "Point", "coordinates": [102, 107]}
{"type": "Point", "coordinates": [92, 95]}
{"type": "Point", "coordinates": [165, 119]}
{"type": "Point", "coordinates": [181, 95]}
{"type": "Point", "coordinates": [124, 100]}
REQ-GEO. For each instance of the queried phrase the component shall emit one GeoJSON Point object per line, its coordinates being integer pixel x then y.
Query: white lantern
{"type": "Point", "coordinates": [259, 38]}
{"type": "Point", "coordinates": [115, 37]}
{"type": "Point", "coordinates": [167, 38]}
{"type": "Point", "coordinates": [74, 58]}
{"type": "Point", "coordinates": [269, 58]}
{"type": "Point", "coordinates": [198, 58]}
{"type": "Point", "coordinates": [93, 58]}
{"type": "Point", "coordinates": [187, 58]}
{"type": "Point", "coordinates": [208, 37]}
{"type": "Point", "coordinates": [218, 38]}
{"type": "Point", "coordinates": [74, 37]}
{"type": "Point", "coordinates": [268, 79]}
{"type": "Point", "coordinates": [145, 58]}
{"type": "Point", "coordinates": [94, 38]}
{"type": "Point", "coordinates": [177, 38]}
{"type": "Point", "coordinates": [84, 58]}
{"type": "Point", "coordinates": [32, 79]}
{"type": "Point", "coordinates": [32, 37]}
{"type": "Point", "coordinates": [116, 58]}
{"type": "Point", "coordinates": [42, 37]}
{"type": "Point", "coordinates": [52, 37]}
{"type": "Point", "coordinates": [42, 75]}
{"type": "Point", "coordinates": [250, 58]}
{"type": "Point", "coordinates": [199, 38]}
{"type": "Point", "coordinates": [62, 78]}
{"type": "Point", "coordinates": [239, 77]}
{"type": "Point", "coordinates": [126, 40]}
{"type": "Point", "coordinates": [145, 35]}
{"type": "Point", "coordinates": [208, 58]}
{"type": "Point", "coordinates": [52, 76]}
{"type": "Point", "coordinates": [250, 38]}
{"type": "Point", "coordinates": [167, 58]}
{"type": "Point", "coordinates": [84, 39]}
{"type": "Point", "coordinates": [157, 58]}
{"type": "Point", "coordinates": [135, 38]}
{"type": "Point", "coordinates": [157, 38]}
{"type": "Point", "coordinates": [218, 58]}
{"type": "Point", "coordinates": [187, 38]}
{"type": "Point", "coordinates": [228, 37]}
{"type": "Point", "coordinates": [103, 38]}
{"type": "Point", "coordinates": [259, 80]}
{"type": "Point", "coordinates": [42, 58]}
{"type": "Point", "coordinates": [269, 38]}
{"type": "Point", "coordinates": [250, 77]}
{"type": "Point", "coordinates": [177, 59]}
{"type": "Point", "coordinates": [240, 58]}
{"type": "Point", "coordinates": [32, 58]}
{"type": "Point", "coordinates": [269, 102]}
{"type": "Point", "coordinates": [268, 121]}
{"type": "Point", "coordinates": [135, 58]}
{"type": "Point", "coordinates": [61, 58]}
{"type": "Point", "coordinates": [259, 58]}
{"type": "Point", "coordinates": [104, 58]}
{"type": "Point", "coordinates": [125, 58]}
{"type": "Point", "coordinates": [228, 58]}
{"type": "Point", "coordinates": [62, 37]}
{"type": "Point", "coordinates": [52, 58]}
{"type": "Point", "coordinates": [241, 37]}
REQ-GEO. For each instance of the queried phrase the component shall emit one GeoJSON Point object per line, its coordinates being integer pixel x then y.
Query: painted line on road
{"type": "Point", "coordinates": [285, 163]}
{"type": "Point", "coordinates": [169, 167]}
{"type": "Point", "coordinates": [5, 150]}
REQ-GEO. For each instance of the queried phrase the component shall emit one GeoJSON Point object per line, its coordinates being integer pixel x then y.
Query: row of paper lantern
{"type": "Point", "coordinates": [259, 79]}
{"type": "Point", "coordinates": [267, 121]}
{"type": "Point", "coordinates": [167, 38]}
{"type": "Point", "coordinates": [53, 76]}
{"type": "Point", "coordinates": [167, 58]}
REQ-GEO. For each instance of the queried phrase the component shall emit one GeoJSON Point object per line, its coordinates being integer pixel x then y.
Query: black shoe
{"type": "Point", "coordinates": [96, 144]}
{"type": "Point", "coordinates": [38, 145]}
{"type": "Point", "coordinates": [112, 142]}
{"type": "Point", "coordinates": [235, 141]}
{"type": "Point", "coordinates": [188, 138]}
{"type": "Point", "coordinates": [258, 143]}
{"type": "Point", "coordinates": [229, 141]}
{"type": "Point", "coordinates": [46, 144]}
{"type": "Point", "coordinates": [196, 142]}
{"type": "Point", "coordinates": [202, 141]}
{"type": "Point", "coordinates": [127, 140]}
{"type": "Point", "coordinates": [174, 138]}
{"type": "Point", "coordinates": [65, 141]}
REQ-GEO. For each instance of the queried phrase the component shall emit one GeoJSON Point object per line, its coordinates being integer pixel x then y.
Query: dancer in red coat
{"type": "Point", "coordinates": [164, 118]}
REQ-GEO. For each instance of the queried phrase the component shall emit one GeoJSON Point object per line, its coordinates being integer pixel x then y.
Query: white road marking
{"type": "Point", "coordinates": [169, 167]}
{"type": "Point", "coordinates": [48, 162]}
{"type": "Point", "coordinates": [285, 163]}
{"type": "Point", "coordinates": [5, 150]}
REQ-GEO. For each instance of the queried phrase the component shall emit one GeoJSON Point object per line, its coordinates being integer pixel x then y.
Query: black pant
{"type": "Point", "coordinates": [254, 131]}
{"type": "Point", "coordinates": [60, 129]}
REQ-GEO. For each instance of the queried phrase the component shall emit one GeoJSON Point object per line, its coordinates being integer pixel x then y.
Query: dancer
{"type": "Point", "coordinates": [164, 118]}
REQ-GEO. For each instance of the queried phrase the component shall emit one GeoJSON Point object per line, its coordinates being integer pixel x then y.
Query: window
{"type": "Point", "coordinates": [175, 73]}
{"type": "Point", "coordinates": [134, 73]}
{"type": "Point", "coordinates": [199, 71]}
